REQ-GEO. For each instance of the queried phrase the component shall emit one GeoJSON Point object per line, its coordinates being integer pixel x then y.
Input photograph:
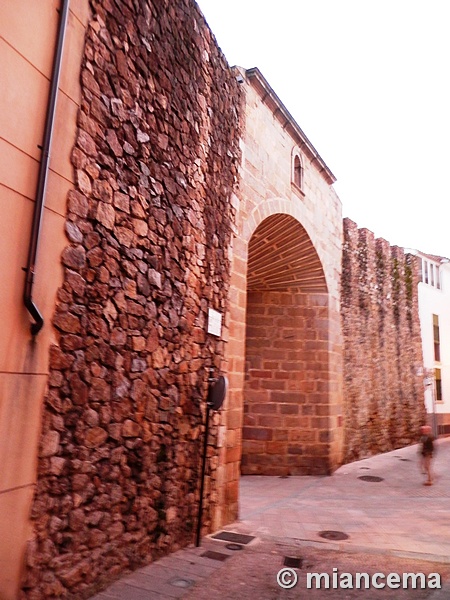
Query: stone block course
{"type": "Point", "coordinates": [288, 416]}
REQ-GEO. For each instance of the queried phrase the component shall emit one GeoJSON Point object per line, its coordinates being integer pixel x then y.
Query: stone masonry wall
{"type": "Point", "coordinates": [286, 425]}
{"type": "Point", "coordinates": [149, 227]}
{"type": "Point", "coordinates": [383, 390]}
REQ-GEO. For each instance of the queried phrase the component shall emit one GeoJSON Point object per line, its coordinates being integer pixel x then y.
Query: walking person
{"type": "Point", "coordinates": [426, 451]}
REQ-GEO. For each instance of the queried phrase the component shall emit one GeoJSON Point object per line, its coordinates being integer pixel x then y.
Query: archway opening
{"type": "Point", "coordinates": [286, 390]}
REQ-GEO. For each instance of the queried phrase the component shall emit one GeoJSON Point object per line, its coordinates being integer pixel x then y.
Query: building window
{"type": "Point", "coordinates": [436, 339]}
{"type": "Point", "coordinates": [297, 170]}
{"type": "Point", "coordinates": [420, 268]}
{"type": "Point", "coordinates": [429, 273]}
{"type": "Point", "coordinates": [437, 377]}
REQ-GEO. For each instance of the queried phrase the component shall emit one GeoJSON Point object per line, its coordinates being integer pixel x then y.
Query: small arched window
{"type": "Point", "coordinates": [297, 170]}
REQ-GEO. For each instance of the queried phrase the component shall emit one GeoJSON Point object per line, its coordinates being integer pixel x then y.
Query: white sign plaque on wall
{"type": "Point", "coordinates": [214, 322]}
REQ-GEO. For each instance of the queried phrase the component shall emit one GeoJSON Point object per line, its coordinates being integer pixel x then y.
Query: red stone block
{"type": "Point", "coordinates": [257, 433]}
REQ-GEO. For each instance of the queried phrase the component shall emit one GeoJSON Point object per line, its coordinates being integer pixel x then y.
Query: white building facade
{"type": "Point", "coordinates": [434, 315]}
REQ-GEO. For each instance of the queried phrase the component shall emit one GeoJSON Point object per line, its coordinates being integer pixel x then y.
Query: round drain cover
{"type": "Point", "coordinates": [333, 535]}
{"type": "Point", "coordinates": [371, 478]}
{"type": "Point", "coordinates": [181, 582]}
{"type": "Point", "coordinates": [233, 546]}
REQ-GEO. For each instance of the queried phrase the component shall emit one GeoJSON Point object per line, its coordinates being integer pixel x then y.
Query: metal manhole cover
{"type": "Point", "coordinates": [406, 459]}
{"type": "Point", "coordinates": [233, 546]}
{"type": "Point", "coordinates": [371, 478]}
{"type": "Point", "coordinates": [333, 535]}
{"type": "Point", "coordinates": [292, 562]}
{"type": "Point", "coordinates": [181, 582]}
{"type": "Point", "coordinates": [237, 538]}
{"type": "Point", "coordinates": [214, 555]}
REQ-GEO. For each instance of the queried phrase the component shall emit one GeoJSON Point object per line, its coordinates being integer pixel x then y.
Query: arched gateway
{"type": "Point", "coordinates": [283, 413]}
{"type": "Point", "coordinates": [285, 422]}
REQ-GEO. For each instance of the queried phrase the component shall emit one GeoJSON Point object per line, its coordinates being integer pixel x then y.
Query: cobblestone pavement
{"type": "Point", "coordinates": [389, 523]}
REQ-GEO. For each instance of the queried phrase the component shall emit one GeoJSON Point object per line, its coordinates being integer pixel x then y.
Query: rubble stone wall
{"type": "Point", "coordinates": [149, 226]}
{"type": "Point", "coordinates": [383, 388]}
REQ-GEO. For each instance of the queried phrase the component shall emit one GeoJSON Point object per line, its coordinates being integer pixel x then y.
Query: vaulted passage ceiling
{"type": "Point", "coordinates": [281, 256]}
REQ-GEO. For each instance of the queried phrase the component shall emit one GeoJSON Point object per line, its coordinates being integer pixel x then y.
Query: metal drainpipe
{"type": "Point", "coordinates": [43, 173]}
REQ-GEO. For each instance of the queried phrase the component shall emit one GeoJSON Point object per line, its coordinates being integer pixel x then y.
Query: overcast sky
{"type": "Point", "coordinates": [368, 82]}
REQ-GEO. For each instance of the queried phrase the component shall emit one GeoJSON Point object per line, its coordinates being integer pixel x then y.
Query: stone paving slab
{"type": "Point", "coordinates": [169, 577]}
{"type": "Point", "coordinates": [397, 517]}
{"type": "Point", "coordinates": [399, 514]}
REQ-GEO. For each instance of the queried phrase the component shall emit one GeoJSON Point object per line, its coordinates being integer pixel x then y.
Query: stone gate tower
{"type": "Point", "coordinates": [284, 411]}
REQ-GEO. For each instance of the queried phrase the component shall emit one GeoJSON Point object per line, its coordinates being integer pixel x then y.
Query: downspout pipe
{"type": "Point", "coordinates": [43, 173]}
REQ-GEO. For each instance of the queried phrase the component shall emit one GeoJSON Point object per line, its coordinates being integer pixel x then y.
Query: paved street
{"type": "Point", "coordinates": [395, 524]}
